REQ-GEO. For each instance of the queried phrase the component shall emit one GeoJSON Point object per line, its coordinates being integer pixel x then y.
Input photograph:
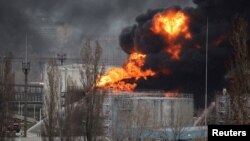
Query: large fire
{"type": "Point", "coordinates": [168, 24]}
{"type": "Point", "coordinates": [132, 69]}
{"type": "Point", "coordinates": [171, 24]}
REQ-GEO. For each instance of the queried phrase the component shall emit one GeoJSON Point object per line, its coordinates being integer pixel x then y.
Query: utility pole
{"type": "Point", "coordinates": [206, 77]}
{"type": "Point", "coordinates": [61, 58]}
{"type": "Point", "coordinates": [26, 69]}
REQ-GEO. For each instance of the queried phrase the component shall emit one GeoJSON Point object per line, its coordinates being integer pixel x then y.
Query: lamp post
{"type": "Point", "coordinates": [26, 69]}
{"type": "Point", "coordinates": [206, 76]}
{"type": "Point", "coordinates": [206, 79]}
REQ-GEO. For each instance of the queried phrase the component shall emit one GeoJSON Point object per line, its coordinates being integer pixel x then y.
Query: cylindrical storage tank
{"type": "Point", "coordinates": [150, 112]}
{"type": "Point", "coordinates": [161, 112]}
{"type": "Point", "coordinates": [131, 113]}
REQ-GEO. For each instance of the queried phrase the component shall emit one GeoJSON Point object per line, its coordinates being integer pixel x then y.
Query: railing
{"type": "Point", "coordinates": [34, 94]}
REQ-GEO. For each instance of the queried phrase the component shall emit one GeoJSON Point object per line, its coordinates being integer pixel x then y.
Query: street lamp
{"type": "Point", "coordinates": [61, 57]}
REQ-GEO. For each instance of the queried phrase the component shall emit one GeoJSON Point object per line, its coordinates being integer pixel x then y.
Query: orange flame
{"type": "Point", "coordinates": [115, 77]}
{"type": "Point", "coordinates": [172, 94]}
{"type": "Point", "coordinates": [171, 24]}
{"type": "Point", "coordinates": [175, 51]}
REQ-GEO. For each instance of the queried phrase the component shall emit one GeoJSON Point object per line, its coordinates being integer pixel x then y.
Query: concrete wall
{"type": "Point", "coordinates": [161, 112]}
{"type": "Point", "coordinates": [148, 112]}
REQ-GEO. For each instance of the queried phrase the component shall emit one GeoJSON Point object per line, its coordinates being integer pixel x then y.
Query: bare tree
{"type": "Point", "coordinates": [124, 120]}
{"type": "Point", "coordinates": [134, 120]}
{"type": "Point", "coordinates": [7, 94]}
{"type": "Point", "coordinates": [50, 102]}
{"type": "Point", "coordinates": [72, 112]}
{"type": "Point", "coordinates": [142, 118]}
{"type": "Point", "coordinates": [90, 70]}
{"type": "Point", "coordinates": [176, 127]}
{"type": "Point", "coordinates": [239, 70]}
{"type": "Point", "coordinates": [122, 129]}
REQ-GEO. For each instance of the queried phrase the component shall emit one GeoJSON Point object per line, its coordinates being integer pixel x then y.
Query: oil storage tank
{"type": "Point", "coordinates": [148, 110]}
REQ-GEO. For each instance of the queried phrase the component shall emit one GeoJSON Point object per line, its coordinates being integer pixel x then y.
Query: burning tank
{"type": "Point", "coordinates": [146, 110]}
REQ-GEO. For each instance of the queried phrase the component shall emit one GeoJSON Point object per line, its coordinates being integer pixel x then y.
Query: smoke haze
{"type": "Point", "coordinates": [60, 25]}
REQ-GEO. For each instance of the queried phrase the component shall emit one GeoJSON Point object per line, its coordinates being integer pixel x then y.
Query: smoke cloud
{"type": "Point", "coordinates": [188, 74]}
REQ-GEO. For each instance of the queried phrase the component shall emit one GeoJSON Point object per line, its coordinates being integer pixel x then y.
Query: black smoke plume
{"type": "Point", "coordinates": [188, 74]}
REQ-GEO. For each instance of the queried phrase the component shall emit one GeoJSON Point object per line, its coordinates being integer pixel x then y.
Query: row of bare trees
{"type": "Point", "coordinates": [92, 67]}
{"type": "Point", "coordinates": [51, 97]}
{"type": "Point", "coordinates": [7, 79]}
{"type": "Point", "coordinates": [80, 113]}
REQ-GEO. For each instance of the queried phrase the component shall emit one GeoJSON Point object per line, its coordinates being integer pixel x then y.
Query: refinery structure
{"type": "Point", "coordinates": [145, 114]}
{"type": "Point", "coordinates": [97, 77]}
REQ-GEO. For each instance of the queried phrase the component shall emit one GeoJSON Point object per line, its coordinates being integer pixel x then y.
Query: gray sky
{"type": "Point", "coordinates": [53, 25]}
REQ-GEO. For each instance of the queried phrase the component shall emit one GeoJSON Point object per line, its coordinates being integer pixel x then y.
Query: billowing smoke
{"type": "Point", "coordinates": [188, 73]}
